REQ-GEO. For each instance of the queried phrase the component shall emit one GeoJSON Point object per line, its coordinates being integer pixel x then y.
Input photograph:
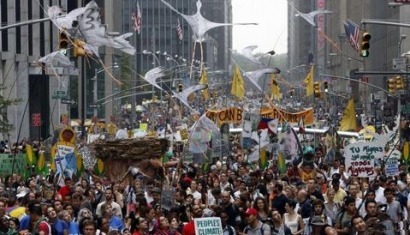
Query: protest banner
{"type": "Point", "coordinates": [392, 164]}
{"type": "Point", "coordinates": [12, 164]}
{"type": "Point", "coordinates": [236, 115]}
{"type": "Point", "coordinates": [360, 158]}
{"type": "Point", "coordinates": [208, 226]}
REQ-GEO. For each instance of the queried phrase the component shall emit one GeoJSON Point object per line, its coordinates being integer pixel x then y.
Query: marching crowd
{"type": "Point", "coordinates": [309, 199]}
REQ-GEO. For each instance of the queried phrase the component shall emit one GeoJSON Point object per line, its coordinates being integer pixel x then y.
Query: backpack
{"type": "Point", "coordinates": [261, 229]}
{"type": "Point", "coordinates": [231, 230]}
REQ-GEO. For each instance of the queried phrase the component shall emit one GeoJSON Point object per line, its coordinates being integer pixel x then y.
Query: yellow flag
{"type": "Point", "coordinates": [275, 88]}
{"type": "Point", "coordinates": [204, 80]}
{"type": "Point", "coordinates": [309, 81]}
{"type": "Point", "coordinates": [237, 88]}
{"type": "Point", "coordinates": [348, 121]}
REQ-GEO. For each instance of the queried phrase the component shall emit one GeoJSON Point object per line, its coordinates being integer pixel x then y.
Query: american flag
{"type": "Point", "coordinates": [352, 32]}
{"type": "Point", "coordinates": [180, 31]}
{"type": "Point", "coordinates": [136, 19]}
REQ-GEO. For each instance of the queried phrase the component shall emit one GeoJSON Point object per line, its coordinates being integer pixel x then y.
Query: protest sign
{"type": "Point", "coordinates": [360, 158]}
{"type": "Point", "coordinates": [208, 226]}
{"type": "Point", "coordinates": [12, 164]}
{"type": "Point", "coordinates": [392, 164]}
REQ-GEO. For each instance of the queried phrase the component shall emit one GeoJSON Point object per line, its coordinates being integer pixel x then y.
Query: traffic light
{"type": "Point", "coordinates": [63, 41]}
{"type": "Point", "coordinates": [291, 93]}
{"type": "Point", "coordinates": [316, 89]}
{"type": "Point", "coordinates": [399, 83]}
{"type": "Point", "coordinates": [180, 87]}
{"type": "Point", "coordinates": [365, 45]}
{"type": "Point", "coordinates": [78, 48]}
{"type": "Point", "coordinates": [391, 86]}
{"type": "Point", "coordinates": [326, 86]}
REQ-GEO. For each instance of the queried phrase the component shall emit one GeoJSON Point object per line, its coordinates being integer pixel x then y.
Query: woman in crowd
{"type": "Point", "coordinates": [115, 223]}
{"type": "Point", "coordinates": [292, 219]}
{"type": "Point", "coordinates": [140, 226]}
{"type": "Point", "coordinates": [262, 207]}
{"type": "Point", "coordinates": [331, 207]}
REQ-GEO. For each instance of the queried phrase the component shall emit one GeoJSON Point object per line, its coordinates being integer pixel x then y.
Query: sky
{"type": "Point", "coordinates": [271, 31]}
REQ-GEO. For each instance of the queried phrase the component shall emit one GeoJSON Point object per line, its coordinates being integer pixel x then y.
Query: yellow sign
{"type": "Point", "coordinates": [235, 115]}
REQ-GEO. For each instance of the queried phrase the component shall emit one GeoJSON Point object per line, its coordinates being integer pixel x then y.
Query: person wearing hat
{"type": "Point", "coordinates": [255, 227]}
{"type": "Point", "coordinates": [317, 223]}
{"type": "Point", "coordinates": [156, 196]}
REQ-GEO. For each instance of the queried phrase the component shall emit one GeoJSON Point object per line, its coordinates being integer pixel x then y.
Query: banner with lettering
{"type": "Point", "coordinates": [235, 115]}
{"type": "Point", "coordinates": [392, 164]}
{"type": "Point", "coordinates": [208, 226]}
{"type": "Point", "coordinates": [12, 164]}
{"type": "Point", "coordinates": [360, 158]}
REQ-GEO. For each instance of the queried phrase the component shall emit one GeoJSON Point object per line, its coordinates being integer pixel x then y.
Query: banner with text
{"type": "Point", "coordinates": [208, 226]}
{"type": "Point", "coordinates": [392, 164]}
{"type": "Point", "coordinates": [360, 158]}
{"type": "Point", "coordinates": [235, 115]}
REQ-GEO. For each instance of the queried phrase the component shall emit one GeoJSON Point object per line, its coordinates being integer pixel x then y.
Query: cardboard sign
{"type": "Point", "coordinates": [360, 158]}
{"type": "Point", "coordinates": [208, 226]}
{"type": "Point", "coordinates": [7, 166]}
{"type": "Point", "coordinates": [392, 164]}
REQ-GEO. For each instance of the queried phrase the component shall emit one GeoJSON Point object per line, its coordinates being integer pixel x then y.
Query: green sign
{"type": "Point", "coordinates": [57, 97]}
{"type": "Point", "coordinates": [59, 93]}
{"type": "Point", "coordinates": [7, 166]}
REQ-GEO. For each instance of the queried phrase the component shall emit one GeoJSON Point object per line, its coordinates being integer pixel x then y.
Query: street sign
{"type": "Point", "coordinates": [67, 101]}
{"type": "Point", "coordinates": [59, 92]}
{"type": "Point", "coordinates": [56, 97]}
{"type": "Point", "coordinates": [399, 63]}
{"type": "Point", "coordinates": [95, 106]}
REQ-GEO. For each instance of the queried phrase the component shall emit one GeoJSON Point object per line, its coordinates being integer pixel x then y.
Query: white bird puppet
{"type": "Point", "coordinates": [183, 96]}
{"type": "Point", "coordinates": [152, 75]}
{"type": "Point", "coordinates": [200, 26]}
{"type": "Point", "coordinates": [50, 59]}
{"type": "Point", "coordinates": [253, 76]}
{"type": "Point", "coordinates": [84, 23]}
{"type": "Point", "coordinates": [247, 52]}
{"type": "Point", "coordinates": [309, 17]}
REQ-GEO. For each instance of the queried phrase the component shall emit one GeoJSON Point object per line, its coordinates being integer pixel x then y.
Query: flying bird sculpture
{"type": "Point", "coordinates": [247, 52]}
{"type": "Point", "coordinates": [200, 26]}
{"type": "Point", "coordinates": [253, 76]}
{"type": "Point", "coordinates": [84, 23]}
{"type": "Point", "coordinates": [152, 75]}
{"type": "Point", "coordinates": [310, 17]}
{"type": "Point", "coordinates": [49, 60]}
{"type": "Point", "coordinates": [183, 96]}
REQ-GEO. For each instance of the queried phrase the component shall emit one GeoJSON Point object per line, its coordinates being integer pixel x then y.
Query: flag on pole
{"type": "Point", "coordinates": [273, 125]}
{"type": "Point", "coordinates": [275, 88]}
{"type": "Point", "coordinates": [352, 32]}
{"type": "Point", "coordinates": [348, 121]}
{"type": "Point", "coordinates": [309, 82]}
{"type": "Point", "coordinates": [204, 80]}
{"type": "Point", "coordinates": [180, 31]}
{"type": "Point", "coordinates": [136, 19]}
{"type": "Point", "coordinates": [237, 88]}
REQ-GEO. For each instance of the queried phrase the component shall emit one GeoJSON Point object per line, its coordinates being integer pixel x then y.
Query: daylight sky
{"type": "Point", "coordinates": [271, 31]}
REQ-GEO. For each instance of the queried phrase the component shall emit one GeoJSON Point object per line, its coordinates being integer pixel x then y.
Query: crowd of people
{"type": "Point", "coordinates": [312, 198]}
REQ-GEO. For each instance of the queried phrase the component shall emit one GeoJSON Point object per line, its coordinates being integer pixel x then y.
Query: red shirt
{"type": "Point", "coordinates": [189, 228]}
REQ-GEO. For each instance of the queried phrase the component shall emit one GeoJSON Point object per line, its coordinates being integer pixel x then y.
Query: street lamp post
{"type": "Point", "coordinates": [95, 86]}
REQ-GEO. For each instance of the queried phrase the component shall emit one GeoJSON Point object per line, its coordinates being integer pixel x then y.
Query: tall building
{"type": "Point", "coordinates": [88, 83]}
{"type": "Point", "coordinates": [334, 55]}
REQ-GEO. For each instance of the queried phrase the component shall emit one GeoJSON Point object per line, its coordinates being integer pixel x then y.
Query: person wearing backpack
{"type": "Point", "coordinates": [255, 226]}
{"type": "Point", "coordinates": [227, 229]}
